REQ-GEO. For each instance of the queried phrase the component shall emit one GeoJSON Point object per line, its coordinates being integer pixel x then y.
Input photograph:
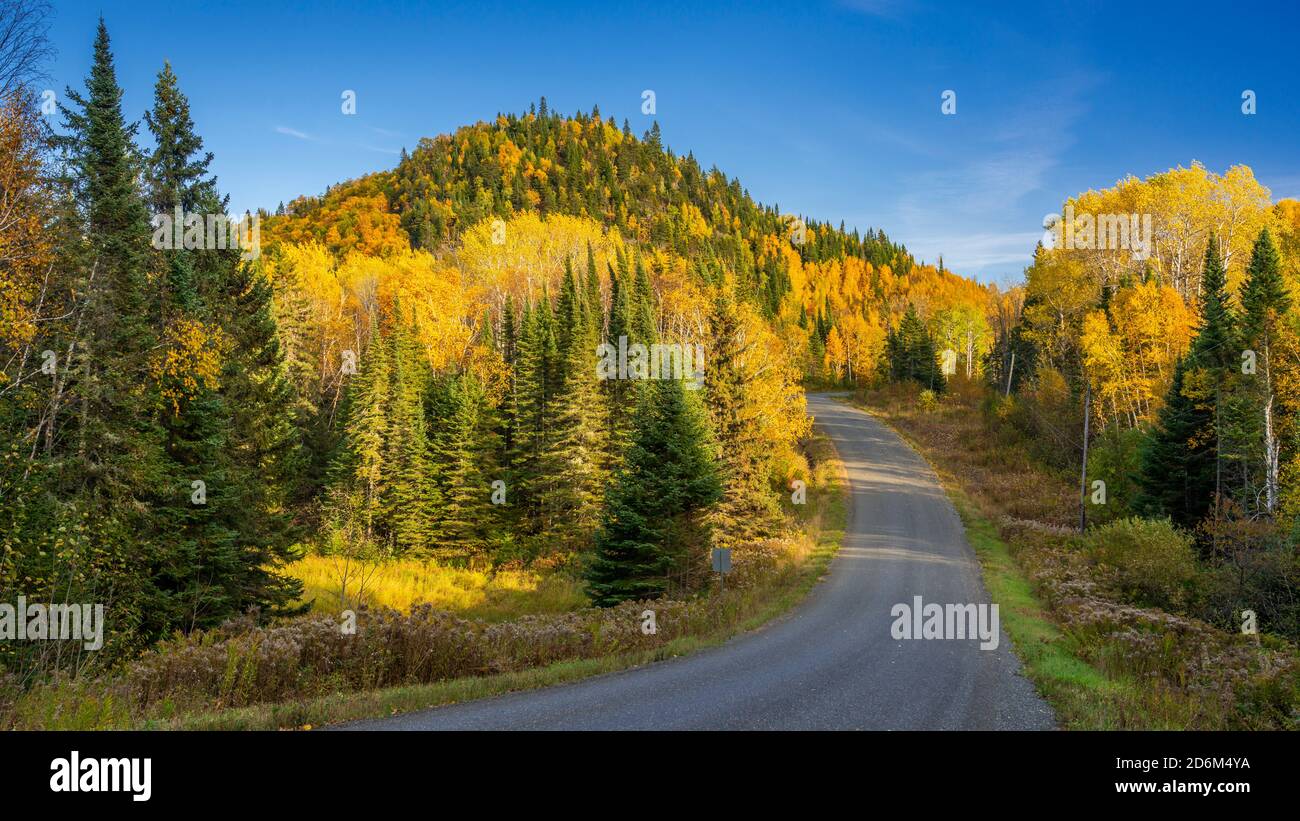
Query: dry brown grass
{"type": "Point", "coordinates": [250, 675]}
{"type": "Point", "coordinates": [1101, 660]}
{"type": "Point", "coordinates": [1006, 480]}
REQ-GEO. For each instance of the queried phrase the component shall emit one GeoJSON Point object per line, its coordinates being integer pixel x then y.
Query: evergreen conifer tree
{"type": "Point", "coordinates": [111, 455]}
{"type": "Point", "coordinates": [652, 522]}
{"type": "Point", "coordinates": [1181, 465]}
{"type": "Point", "coordinates": [1177, 478]}
{"type": "Point", "coordinates": [1266, 306]}
{"type": "Point", "coordinates": [748, 509]}
{"type": "Point", "coordinates": [357, 470]}
{"type": "Point", "coordinates": [410, 494]}
{"type": "Point", "coordinates": [461, 447]}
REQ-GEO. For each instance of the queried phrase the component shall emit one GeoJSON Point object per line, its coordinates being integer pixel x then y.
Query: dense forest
{"type": "Point", "coordinates": [409, 367]}
{"type": "Point", "coordinates": [1173, 374]}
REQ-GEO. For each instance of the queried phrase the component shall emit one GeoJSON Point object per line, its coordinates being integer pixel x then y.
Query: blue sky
{"type": "Point", "coordinates": [830, 109]}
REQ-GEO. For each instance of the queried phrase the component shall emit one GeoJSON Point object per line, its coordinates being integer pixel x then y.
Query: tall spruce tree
{"type": "Point", "coordinates": [619, 392]}
{"type": "Point", "coordinates": [643, 306]}
{"type": "Point", "coordinates": [510, 402]}
{"type": "Point", "coordinates": [265, 449]}
{"type": "Point", "coordinates": [461, 447]}
{"type": "Point", "coordinates": [1266, 306]}
{"type": "Point", "coordinates": [652, 523]}
{"type": "Point", "coordinates": [178, 170]}
{"type": "Point", "coordinates": [748, 509]}
{"type": "Point", "coordinates": [234, 435]}
{"type": "Point", "coordinates": [524, 377]}
{"type": "Point", "coordinates": [1214, 357]}
{"type": "Point", "coordinates": [110, 447]}
{"type": "Point", "coordinates": [595, 307]}
{"type": "Point", "coordinates": [203, 545]}
{"type": "Point", "coordinates": [1182, 459]}
{"type": "Point", "coordinates": [410, 494]}
{"type": "Point", "coordinates": [1177, 478]}
{"type": "Point", "coordinates": [580, 444]}
{"type": "Point", "coordinates": [539, 377]}
{"type": "Point", "coordinates": [911, 353]}
{"type": "Point", "coordinates": [115, 443]}
{"type": "Point", "coordinates": [356, 474]}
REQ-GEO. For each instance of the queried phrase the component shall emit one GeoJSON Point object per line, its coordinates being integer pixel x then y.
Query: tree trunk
{"type": "Point", "coordinates": [1270, 440]}
{"type": "Point", "coordinates": [1083, 479]}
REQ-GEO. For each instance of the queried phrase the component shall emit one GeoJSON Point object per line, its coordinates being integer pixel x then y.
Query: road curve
{"type": "Point", "coordinates": [831, 663]}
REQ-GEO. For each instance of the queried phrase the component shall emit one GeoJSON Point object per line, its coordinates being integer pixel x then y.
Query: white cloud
{"type": "Point", "coordinates": [295, 133]}
{"type": "Point", "coordinates": [976, 207]}
{"type": "Point", "coordinates": [978, 252]}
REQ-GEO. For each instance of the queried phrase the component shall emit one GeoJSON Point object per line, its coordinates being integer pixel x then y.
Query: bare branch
{"type": "Point", "coordinates": [24, 44]}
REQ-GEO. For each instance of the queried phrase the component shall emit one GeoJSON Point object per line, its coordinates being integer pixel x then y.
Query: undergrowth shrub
{"type": "Point", "coordinates": [244, 663]}
{"type": "Point", "coordinates": [1105, 591]}
{"type": "Point", "coordinates": [1154, 562]}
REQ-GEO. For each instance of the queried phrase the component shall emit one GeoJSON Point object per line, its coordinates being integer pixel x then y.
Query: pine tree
{"type": "Point", "coordinates": [620, 335]}
{"type": "Point", "coordinates": [748, 509]}
{"type": "Point", "coordinates": [580, 445]}
{"type": "Point", "coordinates": [459, 446]}
{"type": "Point", "coordinates": [595, 308]}
{"type": "Point", "coordinates": [631, 323]}
{"type": "Point", "coordinates": [1215, 344]}
{"type": "Point", "coordinates": [119, 333]}
{"type": "Point", "coordinates": [523, 414]}
{"type": "Point", "coordinates": [266, 450]}
{"type": "Point", "coordinates": [236, 435]}
{"type": "Point", "coordinates": [177, 171]}
{"type": "Point", "coordinates": [911, 354]}
{"type": "Point", "coordinates": [566, 311]}
{"type": "Point", "coordinates": [410, 494]}
{"type": "Point", "coordinates": [816, 358]}
{"type": "Point", "coordinates": [356, 473]}
{"type": "Point", "coordinates": [1265, 307]}
{"type": "Point", "coordinates": [1177, 478]}
{"type": "Point", "coordinates": [620, 301]}
{"type": "Point", "coordinates": [1182, 461]}
{"type": "Point", "coordinates": [643, 307]}
{"type": "Point", "coordinates": [111, 445]}
{"type": "Point", "coordinates": [652, 522]}
{"type": "Point", "coordinates": [201, 552]}
{"type": "Point", "coordinates": [538, 376]}
{"type": "Point", "coordinates": [510, 356]}
{"type": "Point", "coordinates": [1213, 356]}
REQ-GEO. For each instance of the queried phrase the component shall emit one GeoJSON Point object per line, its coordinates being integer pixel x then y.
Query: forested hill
{"type": "Point", "coordinates": [585, 166]}
{"type": "Point", "coordinates": [506, 254]}
{"type": "Point", "coordinates": [824, 278]}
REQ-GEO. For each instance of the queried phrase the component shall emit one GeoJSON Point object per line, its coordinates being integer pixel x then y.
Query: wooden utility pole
{"type": "Point", "coordinates": [1083, 480]}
